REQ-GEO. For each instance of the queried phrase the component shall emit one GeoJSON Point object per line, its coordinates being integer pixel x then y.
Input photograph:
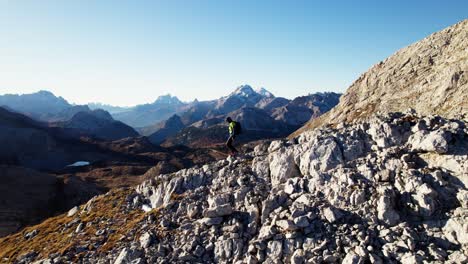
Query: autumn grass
{"type": "Point", "coordinates": [54, 237]}
{"type": "Point", "coordinates": [49, 235]}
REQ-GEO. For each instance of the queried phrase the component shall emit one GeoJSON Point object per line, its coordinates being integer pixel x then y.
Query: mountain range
{"type": "Point", "coordinates": [261, 114]}
{"type": "Point", "coordinates": [149, 114]}
{"type": "Point", "coordinates": [42, 105]}
{"type": "Point", "coordinates": [54, 111]}
{"type": "Point", "coordinates": [170, 121]}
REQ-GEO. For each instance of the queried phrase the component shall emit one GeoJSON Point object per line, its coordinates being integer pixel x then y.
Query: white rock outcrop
{"type": "Point", "coordinates": [361, 193]}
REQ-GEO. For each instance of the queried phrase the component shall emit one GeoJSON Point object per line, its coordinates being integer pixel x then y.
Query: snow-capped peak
{"type": "Point", "coordinates": [264, 92]}
{"type": "Point", "coordinates": [244, 91]}
{"type": "Point", "coordinates": [247, 91]}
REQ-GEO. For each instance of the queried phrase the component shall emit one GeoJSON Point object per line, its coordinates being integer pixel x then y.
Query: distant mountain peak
{"type": "Point", "coordinates": [264, 92]}
{"type": "Point", "coordinates": [39, 105]}
{"type": "Point", "coordinates": [44, 92]}
{"type": "Point", "coordinates": [49, 95]}
{"type": "Point", "coordinates": [244, 90]}
{"type": "Point", "coordinates": [247, 91]}
{"type": "Point", "coordinates": [103, 114]}
{"type": "Point", "coordinates": [168, 99]}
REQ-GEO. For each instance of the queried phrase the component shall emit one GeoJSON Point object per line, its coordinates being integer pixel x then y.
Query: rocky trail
{"type": "Point", "coordinates": [388, 190]}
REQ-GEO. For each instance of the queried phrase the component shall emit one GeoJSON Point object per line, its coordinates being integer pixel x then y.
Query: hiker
{"type": "Point", "coordinates": [234, 130]}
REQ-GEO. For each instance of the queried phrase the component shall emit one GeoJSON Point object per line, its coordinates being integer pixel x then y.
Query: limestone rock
{"type": "Point", "coordinates": [128, 256]}
{"type": "Point", "coordinates": [332, 214]}
{"type": "Point", "coordinates": [73, 211]}
{"type": "Point", "coordinates": [221, 210]}
{"type": "Point", "coordinates": [146, 240]}
{"type": "Point", "coordinates": [282, 166]}
{"type": "Point", "coordinates": [429, 75]}
{"type": "Point", "coordinates": [435, 141]}
{"type": "Point", "coordinates": [385, 207]}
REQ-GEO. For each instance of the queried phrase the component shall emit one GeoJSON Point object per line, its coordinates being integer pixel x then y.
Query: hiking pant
{"type": "Point", "coordinates": [229, 144]}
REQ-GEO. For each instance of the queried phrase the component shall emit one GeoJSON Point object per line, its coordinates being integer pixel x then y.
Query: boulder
{"type": "Point", "coordinates": [322, 156]}
{"type": "Point", "coordinates": [73, 211]}
{"type": "Point", "coordinates": [127, 256]}
{"type": "Point", "coordinates": [282, 166]}
{"type": "Point", "coordinates": [435, 141]}
{"type": "Point", "coordinates": [286, 225]}
{"type": "Point", "coordinates": [146, 240]}
{"type": "Point", "coordinates": [221, 210]}
{"type": "Point", "coordinates": [332, 214]}
{"type": "Point", "coordinates": [385, 207]}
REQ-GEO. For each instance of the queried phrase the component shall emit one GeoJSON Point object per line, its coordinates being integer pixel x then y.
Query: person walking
{"type": "Point", "coordinates": [234, 130]}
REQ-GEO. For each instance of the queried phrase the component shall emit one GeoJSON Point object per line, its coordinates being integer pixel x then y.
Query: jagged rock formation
{"type": "Point", "coordinates": [430, 76]}
{"type": "Point", "coordinates": [389, 190]}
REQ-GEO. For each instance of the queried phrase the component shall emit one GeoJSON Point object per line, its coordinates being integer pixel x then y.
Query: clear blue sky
{"type": "Point", "coordinates": [130, 52]}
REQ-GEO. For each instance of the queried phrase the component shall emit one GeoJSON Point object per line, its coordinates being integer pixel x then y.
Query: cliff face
{"type": "Point", "coordinates": [430, 76]}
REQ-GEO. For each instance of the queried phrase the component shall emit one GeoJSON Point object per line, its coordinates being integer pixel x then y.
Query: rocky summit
{"type": "Point", "coordinates": [391, 189]}
{"type": "Point", "coordinates": [430, 75]}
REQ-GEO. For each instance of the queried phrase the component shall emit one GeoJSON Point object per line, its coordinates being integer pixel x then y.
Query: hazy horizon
{"type": "Point", "coordinates": [126, 53]}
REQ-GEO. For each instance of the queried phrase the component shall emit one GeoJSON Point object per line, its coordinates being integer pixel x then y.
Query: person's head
{"type": "Point", "coordinates": [228, 119]}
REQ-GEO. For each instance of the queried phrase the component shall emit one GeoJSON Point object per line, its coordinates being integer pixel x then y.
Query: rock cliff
{"type": "Point", "coordinates": [430, 76]}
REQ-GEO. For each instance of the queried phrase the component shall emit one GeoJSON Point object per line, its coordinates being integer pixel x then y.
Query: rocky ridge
{"type": "Point", "coordinates": [429, 75]}
{"type": "Point", "coordinates": [388, 190]}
